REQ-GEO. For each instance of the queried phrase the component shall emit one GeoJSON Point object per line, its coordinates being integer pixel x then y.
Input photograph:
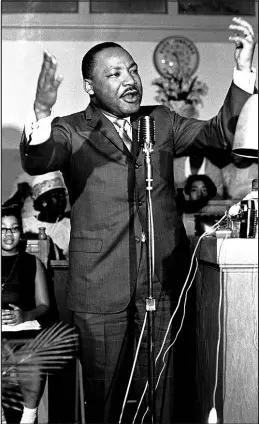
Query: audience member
{"type": "Point", "coordinates": [198, 190]}
{"type": "Point", "coordinates": [198, 165]}
{"type": "Point", "coordinates": [24, 298]}
{"type": "Point", "coordinates": [49, 200]}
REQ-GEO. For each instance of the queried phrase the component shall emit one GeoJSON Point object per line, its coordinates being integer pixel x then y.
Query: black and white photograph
{"type": "Point", "coordinates": [129, 212]}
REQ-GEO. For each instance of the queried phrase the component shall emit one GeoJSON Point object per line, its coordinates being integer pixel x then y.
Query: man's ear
{"type": "Point", "coordinates": [88, 87]}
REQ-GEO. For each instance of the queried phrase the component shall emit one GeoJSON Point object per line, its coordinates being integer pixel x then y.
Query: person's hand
{"type": "Point", "coordinates": [47, 88]}
{"type": "Point", "coordinates": [12, 317]}
{"type": "Point", "coordinates": [244, 39]}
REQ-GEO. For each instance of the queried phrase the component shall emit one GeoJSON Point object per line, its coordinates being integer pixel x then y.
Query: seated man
{"type": "Point", "coordinates": [198, 190]}
{"type": "Point", "coordinates": [49, 201]}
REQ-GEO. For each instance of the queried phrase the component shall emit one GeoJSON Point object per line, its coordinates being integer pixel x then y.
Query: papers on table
{"type": "Point", "coordinates": [28, 325]}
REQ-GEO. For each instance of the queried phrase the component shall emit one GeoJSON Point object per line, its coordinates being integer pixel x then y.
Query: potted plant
{"type": "Point", "coordinates": [181, 93]}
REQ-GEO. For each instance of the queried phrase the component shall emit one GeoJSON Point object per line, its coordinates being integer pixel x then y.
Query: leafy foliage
{"type": "Point", "coordinates": [180, 87]}
{"type": "Point", "coordinates": [51, 349]}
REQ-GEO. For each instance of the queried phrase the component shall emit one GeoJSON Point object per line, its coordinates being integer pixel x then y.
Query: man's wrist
{"type": "Point", "coordinates": [247, 68]}
{"type": "Point", "coordinates": [245, 79]}
{"type": "Point", "coordinates": [41, 111]}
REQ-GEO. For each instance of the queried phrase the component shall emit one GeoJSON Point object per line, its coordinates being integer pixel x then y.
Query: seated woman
{"type": "Point", "coordinates": [24, 298]}
{"type": "Point", "coordinates": [198, 190]}
{"type": "Point", "coordinates": [49, 201]}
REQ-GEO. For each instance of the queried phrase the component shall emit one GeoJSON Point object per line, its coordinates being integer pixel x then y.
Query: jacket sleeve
{"type": "Point", "coordinates": [49, 156]}
{"type": "Point", "coordinates": [191, 136]}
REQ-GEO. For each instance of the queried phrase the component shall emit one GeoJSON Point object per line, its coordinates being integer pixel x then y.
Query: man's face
{"type": "Point", "coordinates": [198, 191]}
{"type": "Point", "coordinates": [54, 202]}
{"type": "Point", "coordinates": [116, 85]}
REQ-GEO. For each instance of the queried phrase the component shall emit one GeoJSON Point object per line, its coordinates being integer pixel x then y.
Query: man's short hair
{"type": "Point", "coordinates": [88, 61]}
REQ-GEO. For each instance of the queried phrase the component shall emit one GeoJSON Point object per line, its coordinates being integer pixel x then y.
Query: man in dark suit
{"type": "Point", "coordinates": [104, 171]}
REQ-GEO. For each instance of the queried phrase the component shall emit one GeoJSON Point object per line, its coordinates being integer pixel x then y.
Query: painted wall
{"type": "Point", "coordinates": [22, 61]}
{"type": "Point", "coordinates": [69, 36]}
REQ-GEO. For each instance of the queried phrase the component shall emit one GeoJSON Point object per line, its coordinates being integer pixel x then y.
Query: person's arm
{"type": "Point", "coordinates": [244, 73]}
{"type": "Point", "coordinates": [40, 152]}
{"type": "Point", "coordinates": [41, 292]}
{"type": "Point", "coordinates": [191, 136]}
{"type": "Point", "coordinates": [16, 315]}
{"type": "Point", "coordinates": [38, 125]}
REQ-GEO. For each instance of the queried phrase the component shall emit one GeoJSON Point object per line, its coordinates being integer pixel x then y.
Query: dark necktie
{"type": "Point", "coordinates": [122, 124]}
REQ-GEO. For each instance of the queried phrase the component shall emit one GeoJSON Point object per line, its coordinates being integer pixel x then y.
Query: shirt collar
{"type": "Point", "coordinates": [113, 118]}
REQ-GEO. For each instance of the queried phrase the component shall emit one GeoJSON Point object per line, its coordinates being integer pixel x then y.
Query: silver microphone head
{"type": "Point", "coordinates": [146, 130]}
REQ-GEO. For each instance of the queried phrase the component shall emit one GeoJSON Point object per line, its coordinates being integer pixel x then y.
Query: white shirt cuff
{"type": "Point", "coordinates": [245, 80]}
{"type": "Point", "coordinates": [38, 131]}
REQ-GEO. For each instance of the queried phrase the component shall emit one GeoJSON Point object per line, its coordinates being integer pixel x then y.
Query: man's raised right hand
{"type": "Point", "coordinates": [47, 88]}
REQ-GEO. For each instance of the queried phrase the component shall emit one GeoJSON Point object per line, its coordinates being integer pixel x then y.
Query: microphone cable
{"type": "Point", "coordinates": [169, 347]}
{"type": "Point", "coordinates": [133, 367]}
{"type": "Point", "coordinates": [212, 230]}
{"type": "Point", "coordinates": [213, 411]}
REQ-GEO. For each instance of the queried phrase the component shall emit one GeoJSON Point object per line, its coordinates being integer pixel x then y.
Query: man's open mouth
{"type": "Point", "coordinates": [131, 96]}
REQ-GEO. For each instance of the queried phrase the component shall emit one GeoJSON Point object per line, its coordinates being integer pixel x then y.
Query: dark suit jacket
{"type": "Point", "coordinates": [107, 192]}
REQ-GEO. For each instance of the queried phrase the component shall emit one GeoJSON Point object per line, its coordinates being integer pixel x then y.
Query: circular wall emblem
{"type": "Point", "coordinates": [176, 54]}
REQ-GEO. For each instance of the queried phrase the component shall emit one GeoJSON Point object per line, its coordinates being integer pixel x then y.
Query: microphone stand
{"type": "Point", "coordinates": [150, 301]}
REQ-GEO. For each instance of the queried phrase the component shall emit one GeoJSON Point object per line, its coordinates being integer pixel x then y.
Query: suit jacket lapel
{"type": "Point", "coordinates": [95, 119]}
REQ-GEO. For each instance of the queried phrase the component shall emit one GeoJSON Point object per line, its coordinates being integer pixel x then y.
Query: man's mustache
{"type": "Point", "coordinates": [131, 90]}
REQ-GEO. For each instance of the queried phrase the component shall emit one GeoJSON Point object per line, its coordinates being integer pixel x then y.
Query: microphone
{"type": "Point", "coordinates": [146, 131]}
